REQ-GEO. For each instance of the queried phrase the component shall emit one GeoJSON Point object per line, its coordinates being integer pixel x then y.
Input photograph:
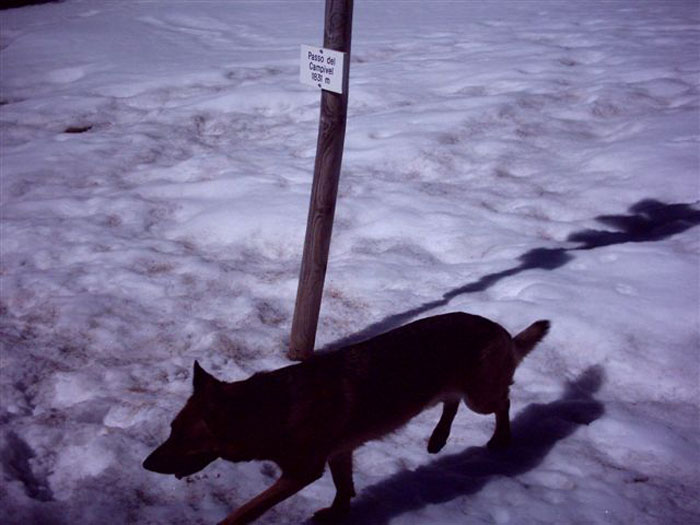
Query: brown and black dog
{"type": "Point", "coordinates": [316, 412]}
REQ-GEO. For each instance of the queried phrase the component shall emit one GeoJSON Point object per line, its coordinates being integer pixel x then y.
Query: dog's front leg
{"type": "Point", "coordinates": [285, 487]}
{"type": "Point", "coordinates": [442, 429]}
{"type": "Point", "coordinates": [501, 435]}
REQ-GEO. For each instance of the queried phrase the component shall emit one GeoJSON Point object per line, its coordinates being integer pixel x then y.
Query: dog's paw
{"type": "Point", "coordinates": [437, 440]}
{"type": "Point", "coordinates": [330, 515]}
{"type": "Point", "coordinates": [436, 443]}
{"type": "Point", "coordinates": [498, 442]}
{"type": "Point", "coordinates": [230, 521]}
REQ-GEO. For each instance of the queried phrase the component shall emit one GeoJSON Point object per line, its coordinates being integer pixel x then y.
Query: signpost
{"type": "Point", "coordinates": [322, 68]}
{"type": "Point", "coordinates": [326, 68]}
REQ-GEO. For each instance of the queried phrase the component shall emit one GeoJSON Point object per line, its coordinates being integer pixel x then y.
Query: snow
{"type": "Point", "coordinates": [518, 160]}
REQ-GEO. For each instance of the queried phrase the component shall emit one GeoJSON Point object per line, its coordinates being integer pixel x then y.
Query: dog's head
{"type": "Point", "coordinates": [191, 445]}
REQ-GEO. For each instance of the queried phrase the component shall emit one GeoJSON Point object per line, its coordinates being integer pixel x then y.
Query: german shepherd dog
{"type": "Point", "coordinates": [308, 414]}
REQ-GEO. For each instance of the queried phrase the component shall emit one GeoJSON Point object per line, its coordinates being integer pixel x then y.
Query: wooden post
{"type": "Point", "coordinates": [329, 155]}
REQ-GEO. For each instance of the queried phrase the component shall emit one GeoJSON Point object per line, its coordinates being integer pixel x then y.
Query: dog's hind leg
{"type": "Point", "coordinates": [341, 470]}
{"type": "Point", "coordinates": [442, 429]}
{"type": "Point", "coordinates": [501, 434]}
{"type": "Point", "coordinates": [285, 487]}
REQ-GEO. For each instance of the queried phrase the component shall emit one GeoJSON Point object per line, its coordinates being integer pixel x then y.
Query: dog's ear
{"type": "Point", "coordinates": [202, 381]}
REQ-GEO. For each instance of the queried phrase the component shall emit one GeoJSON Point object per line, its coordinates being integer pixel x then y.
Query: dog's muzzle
{"type": "Point", "coordinates": [178, 465]}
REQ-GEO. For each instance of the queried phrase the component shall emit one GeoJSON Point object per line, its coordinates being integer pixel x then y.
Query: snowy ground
{"type": "Point", "coordinates": [519, 160]}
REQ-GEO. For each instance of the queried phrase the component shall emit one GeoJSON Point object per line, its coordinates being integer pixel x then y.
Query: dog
{"type": "Point", "coordinates": [308, 414]}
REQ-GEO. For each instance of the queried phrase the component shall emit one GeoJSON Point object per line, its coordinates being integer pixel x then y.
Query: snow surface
{"type": "Point", "coordinates": [519, 160]}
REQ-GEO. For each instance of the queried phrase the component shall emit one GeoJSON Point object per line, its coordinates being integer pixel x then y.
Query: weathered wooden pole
{"type": "Point", "coordinates": [324, 190]}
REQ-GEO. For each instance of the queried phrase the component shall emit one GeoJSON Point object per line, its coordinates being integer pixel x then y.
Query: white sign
{"type": "Point", "coordinates": [322, 68]}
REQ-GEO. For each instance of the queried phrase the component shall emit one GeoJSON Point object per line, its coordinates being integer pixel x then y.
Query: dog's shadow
{"type": "Point", "coordinates": [535, 431]}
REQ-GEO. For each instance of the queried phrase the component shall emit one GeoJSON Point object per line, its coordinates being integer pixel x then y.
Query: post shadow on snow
{"type": "Point", "coordinates": [649, 220]}
{"type": "Point", "coordinates": [535, 430]}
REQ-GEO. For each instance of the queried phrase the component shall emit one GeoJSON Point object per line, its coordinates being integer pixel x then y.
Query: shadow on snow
{"type": "Point", "coordinates": [648, 220]}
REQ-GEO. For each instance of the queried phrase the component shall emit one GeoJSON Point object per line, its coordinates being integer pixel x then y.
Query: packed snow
{"type": "Point", "coordinates": [520, 160]}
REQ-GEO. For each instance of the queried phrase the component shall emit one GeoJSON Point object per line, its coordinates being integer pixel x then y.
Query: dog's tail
{"type": "Point", "coordinates": [525, 341]}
